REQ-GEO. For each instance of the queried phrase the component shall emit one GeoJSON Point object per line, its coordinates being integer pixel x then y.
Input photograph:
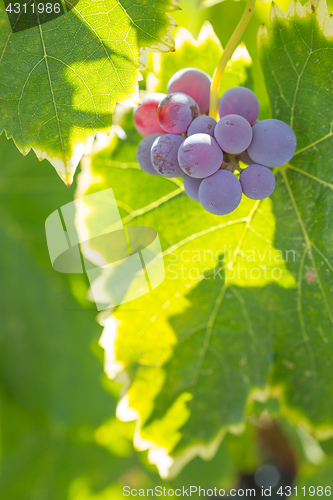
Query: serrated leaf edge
{"type": "Point", "coordinates": [295, 9]}
{"type": "Point", "coordinates": [66, 169]}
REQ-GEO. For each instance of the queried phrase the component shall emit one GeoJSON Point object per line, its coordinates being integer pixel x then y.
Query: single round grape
{"type": "Point", "coordinates": [195, 83]}
{"type": "Point", "coordinates": [191, 186]}
{"type": "Point", "coordinates": [240, 101]}
{"type": "Point", "coordinates": [202, 125]}
{"type": "Point", "coordinates": [164, 155]}
{"type": "Point", "coordinates": [233, 133]}
{"type": "Point", "coordinates": [273, 143]}
{"type": "Point", "coordinates": [176, 112]}
{"type": "Point", "coordinates": [221, 193]}
{"type": "Point", "coordinates": [200, 156]}
{"type": "Point", "coordinates": [245, 158]}
{"type": "Point", "coordinates": [258, 182]}
{"type": "Point", "coordinates": [145, 115]}
{"type": "Point", "coordinates": [143, 154]}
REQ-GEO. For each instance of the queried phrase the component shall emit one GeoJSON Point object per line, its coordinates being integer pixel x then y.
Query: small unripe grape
{"type": "Point", "coordinates": [145, 115]}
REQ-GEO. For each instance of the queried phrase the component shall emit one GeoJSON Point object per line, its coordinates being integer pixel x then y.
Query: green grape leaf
{"type": "Point", "coordinates": [52, 401]}
{"type": "Point", "coordinates": [59, 436]}
{"type": "Point", "coordinates": [296, 60]}
{"type": "Point", "coordinates": [43, 341]}
{"type": "Point", "coordinates": [197, 345]}
{"type": "Point", "coordinates": [60, 81]}
{"type": "Point", "coordinates": [208, 3]}
{"type": "Point", "coordinates": [245, 311]}
{"type": "Point", "coordinates": [313, 481]}
{"type": "Point", "coordinates": [152, 206]}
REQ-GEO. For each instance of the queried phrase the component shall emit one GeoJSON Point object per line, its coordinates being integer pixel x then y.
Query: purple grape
{"type": "Point", "coordinates": [200, 156]}
{"type": "Point", "coordinates": [221, 193]}
{"type": "Point", "coordinates": [195, 83]}
{"type": "Point", "coordinates": [245, 158]}
{"type": "Point", "coordinates": [143, 154]}
{"type": "Point", "coordinates": [258, 182]}
{"type": "Point", "coordinates": [240, 101]}
{"type": "Point", "coordinates": [233, 133]}
{"type": "Point", "coordinates": [191, 186]}
{"type": "Point", "coordinates": [202, 125]}
{"type": "Point", "coordinates": [145, 115]}
{"type": "Point", "coordinates": [164, 155]}
{"type": "Point", "coordinates": [273, 143]}
{"type": "Point", "coordinates": [176, 112]}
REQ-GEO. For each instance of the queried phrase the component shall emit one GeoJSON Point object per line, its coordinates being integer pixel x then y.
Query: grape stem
{"type": "Point", "coordinates": [227, 53]}
{"type": "Point", "coordinates": [231, 164]}
{"type": "Point", "coordinates": [234, 163]}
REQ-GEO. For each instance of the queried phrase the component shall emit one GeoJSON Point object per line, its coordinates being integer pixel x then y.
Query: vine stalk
{"type": "Point", "coordinates": [227, 53]}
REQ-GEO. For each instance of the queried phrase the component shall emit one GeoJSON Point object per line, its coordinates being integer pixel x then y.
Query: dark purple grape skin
{"type": "Point", "coordinates": [143, 154]}
{"type": "Point", "coordinates": [258, 182]}
{"type": "Point", "coordinates": [202, 125]}
{"type": "Point", "coordinates": [164, 153]}
{"type": "Point", "coordinates": [221, 193]}
{"type": "Point", "coordinates": [273, 143]}
{"type": "Point", "coordinates": [233, 133]}
{"type": "Point", "coordinates": [240, 101]}
{"type": "Point", "coordinates": [191, 186]}
{"type": "Point", "coordinates": [176, 112]}
{"type": "Point", "coordinates": [200, 156]}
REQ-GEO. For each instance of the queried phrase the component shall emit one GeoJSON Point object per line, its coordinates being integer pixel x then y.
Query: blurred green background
{"type": "Point", "coordinates": [60, 439]}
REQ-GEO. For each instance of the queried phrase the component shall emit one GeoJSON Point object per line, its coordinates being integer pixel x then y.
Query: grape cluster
{"type": "Point", "coordinates": [181, 140]}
